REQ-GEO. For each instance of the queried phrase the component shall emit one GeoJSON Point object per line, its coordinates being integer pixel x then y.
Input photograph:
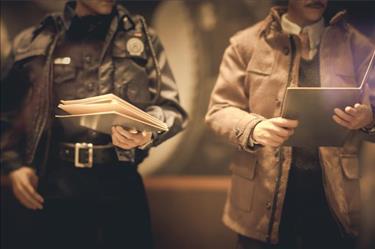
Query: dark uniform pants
{"type": "Point", "coordinates": [102, 207]}
{"type": "Point", "coordinates": [307, 222]}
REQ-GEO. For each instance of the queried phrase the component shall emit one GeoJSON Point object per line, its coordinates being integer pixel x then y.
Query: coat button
{"type": "Point", "coordinates": [286, 50]}
{"type": "Point", "coordinates": [268, 205]}
{"type": "Point", "coordinates": [277, 180]}
{"type": "Point", "coordinates": [278, 102]}
{"type": "Point", "coordinates": [277, 151]}
{"type": "Point", "coordinates": [237, 132]}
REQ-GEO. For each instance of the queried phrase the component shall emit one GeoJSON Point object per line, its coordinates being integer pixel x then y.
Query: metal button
{"type": "Point", "coordinates": [90, 86]}
{"type": "Point", "coordinates": [286, 50]}
{"type": "Point", "coordinates": [127, 23]}
{"type": "Point", "coordinates": [87, 58]}
{"type": "Point", "coordinates": [93, 133]}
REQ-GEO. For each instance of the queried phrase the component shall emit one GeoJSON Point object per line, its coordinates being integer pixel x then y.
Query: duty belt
{"type": "Point", "coordinates": [85, 155]}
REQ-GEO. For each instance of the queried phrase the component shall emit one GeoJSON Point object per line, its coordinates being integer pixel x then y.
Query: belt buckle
{"type": "Point", "coordinates": [85, 146]}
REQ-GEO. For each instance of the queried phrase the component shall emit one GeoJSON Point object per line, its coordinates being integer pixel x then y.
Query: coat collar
{"type": "Point", "coordinates": [272, 22]}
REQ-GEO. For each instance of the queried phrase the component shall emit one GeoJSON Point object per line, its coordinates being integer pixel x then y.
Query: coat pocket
{"type": "Point", "coordinates": [243, 183]}
{"type": "Point", "coordinates": [262, 61]}
{"type": "Point", "coordinates": [63, 73]}
{"type": "Point", "coordinates": [65, 84]}
{"type": "Point", "coordinates": [351, 185]}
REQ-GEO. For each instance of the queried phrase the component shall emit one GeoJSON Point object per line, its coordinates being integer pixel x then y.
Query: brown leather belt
{"type": "Point", "coordinates": [85, 155]}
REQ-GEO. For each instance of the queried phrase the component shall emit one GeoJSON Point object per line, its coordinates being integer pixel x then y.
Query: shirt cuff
{"type": "Point", "coordinates": [369, 130]}
{"type": "Point", "coordinates": [253, 145]}
{"type": "Point", "coordinates": [10, 162]}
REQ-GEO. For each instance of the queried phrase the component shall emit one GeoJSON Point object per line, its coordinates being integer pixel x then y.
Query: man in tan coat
{"type": "Point", "coordinates": [291, 197]}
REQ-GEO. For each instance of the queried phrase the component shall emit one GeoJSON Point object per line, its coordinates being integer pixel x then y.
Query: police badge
{"type": "Point", "coordinates": [135, 46]}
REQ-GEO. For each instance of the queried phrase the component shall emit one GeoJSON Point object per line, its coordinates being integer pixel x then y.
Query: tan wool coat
{"type": "Point", "coordinates": [255, 72]}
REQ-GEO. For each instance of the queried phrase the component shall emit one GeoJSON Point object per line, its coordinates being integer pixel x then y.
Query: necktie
{"type": "Point", "coordinates": [305, 45]}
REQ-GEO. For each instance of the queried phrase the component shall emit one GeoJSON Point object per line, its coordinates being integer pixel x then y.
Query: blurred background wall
{"type": "Point", "coordinates": [187, 177]}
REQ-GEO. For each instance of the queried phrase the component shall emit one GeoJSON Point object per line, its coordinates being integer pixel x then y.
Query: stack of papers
{"type": "Point", "coordinates": [100, 113]}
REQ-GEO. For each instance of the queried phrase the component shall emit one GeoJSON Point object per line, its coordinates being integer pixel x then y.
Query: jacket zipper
{"type": "Point", "coordinates": [50, 108]}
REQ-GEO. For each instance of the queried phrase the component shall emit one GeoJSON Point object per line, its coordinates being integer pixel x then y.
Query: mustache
{"type": "Point", "coordinates": [315, 4]}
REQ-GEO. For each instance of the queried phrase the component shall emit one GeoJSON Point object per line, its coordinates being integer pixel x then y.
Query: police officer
{"type": "Point", "coordinates": [95, 47]}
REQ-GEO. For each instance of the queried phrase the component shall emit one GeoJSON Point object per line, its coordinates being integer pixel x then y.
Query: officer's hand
{"type": "Point", "coordinates": [24, 182]}
{"type": "Point", "coordinates": [354, 118]}
{"type": "Point", "coordinates": [274, 132]}
{"type": "Point", "coordinates": [127, 139]}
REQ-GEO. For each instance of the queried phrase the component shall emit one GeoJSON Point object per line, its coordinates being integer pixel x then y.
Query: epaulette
{"type": "Point", "coordinates": [33, 39]}
{"type": "Point", "coordinates": [133, 23]}
{"type": "Point", "coordinates": [127, 23]}
{"type": "Point", "coordinates": [51, 21]}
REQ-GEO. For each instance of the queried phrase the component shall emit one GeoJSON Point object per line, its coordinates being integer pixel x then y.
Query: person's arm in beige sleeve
{"type": "Point", "coordinates": [229, 114]}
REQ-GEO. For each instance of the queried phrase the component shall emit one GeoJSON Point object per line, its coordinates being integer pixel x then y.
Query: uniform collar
{"type": "Point", "coordinates": [314, 30]}
{"type": "Point", "coordinates": [69, 13]}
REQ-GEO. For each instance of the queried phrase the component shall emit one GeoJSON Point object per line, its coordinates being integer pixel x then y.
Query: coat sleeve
{"type": "Point", "coordinates": [228, 113]}
{"type": "Point", "coordinates": [14, 85]}
{"type": "Point", "coordinates": [167, 107]}
{"type": "Point", "coordinates": [362, 50]}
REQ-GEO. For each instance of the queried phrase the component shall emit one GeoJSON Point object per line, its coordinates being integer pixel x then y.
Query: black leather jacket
{"type": "Point", "coordinates": [27, 89]}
